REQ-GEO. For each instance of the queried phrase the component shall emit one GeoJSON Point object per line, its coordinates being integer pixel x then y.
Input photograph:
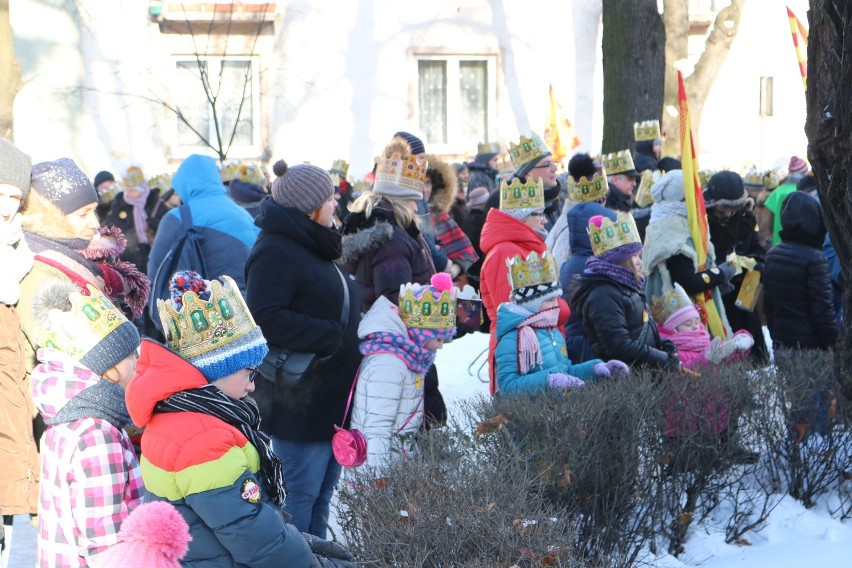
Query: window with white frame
{"type": "Point", "coordinates": [232, 84]}
{"type": "Point", "coordinates": [456, 100]}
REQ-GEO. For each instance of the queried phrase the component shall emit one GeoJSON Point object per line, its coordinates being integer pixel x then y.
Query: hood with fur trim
{"type": "Point", "coordinates": [356, 245]}
{"type": "Point", "coordinates": [42, 217]}
{"type": "Point", "coordinates": [445, 183]}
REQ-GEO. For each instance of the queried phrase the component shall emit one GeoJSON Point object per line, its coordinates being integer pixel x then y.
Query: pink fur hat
{"type": "Point", "coordinates": [153, 535]}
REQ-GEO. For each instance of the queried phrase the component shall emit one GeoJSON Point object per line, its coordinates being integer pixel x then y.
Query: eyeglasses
{"type": "Point", "coordinates": [548, 165]}
{"type": "Point", "coordinates": [253, 371]}
{"type": "Point", "coordinates": [537, 214]}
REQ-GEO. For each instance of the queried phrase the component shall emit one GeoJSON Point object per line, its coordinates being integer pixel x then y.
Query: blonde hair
{"type": "Point", "coordinates": [402, 212]}
{"type": "Point", "coordinates": [639, 274]}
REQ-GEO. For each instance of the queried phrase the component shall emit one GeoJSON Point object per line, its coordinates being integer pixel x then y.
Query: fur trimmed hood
{"type": "Point", "coordinates": [445, 183]}
{"type": "Point", "coordinates": [366, 240]}
{"type": "Point", "coordinates": [42, 217]}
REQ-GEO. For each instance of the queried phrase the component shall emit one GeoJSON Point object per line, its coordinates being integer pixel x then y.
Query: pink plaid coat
{"type": "Point", "coordinates": [90, 475]}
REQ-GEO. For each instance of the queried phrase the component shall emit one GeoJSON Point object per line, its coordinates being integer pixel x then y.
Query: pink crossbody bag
{"type": "Point", "coordinates": [349, 445]}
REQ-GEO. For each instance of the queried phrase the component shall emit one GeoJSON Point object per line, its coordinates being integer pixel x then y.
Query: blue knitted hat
{"type": "Point", "coordinates": [208, 324]}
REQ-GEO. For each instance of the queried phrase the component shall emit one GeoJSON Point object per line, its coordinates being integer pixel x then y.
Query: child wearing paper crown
{"type": "Point", "coordinates": [399, 346]}
{"type": "Point", "coordinates": [531, 352]}
{"type": "Point", "coordinates": [680, 323]}
{"type": "Point", "coordinates": [90, 477]}
{"type": "Point", "coordinates": [202, 449]}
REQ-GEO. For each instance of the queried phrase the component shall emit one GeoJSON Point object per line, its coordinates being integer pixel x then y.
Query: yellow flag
{"type": "Point", "coordinates": [559, 133]}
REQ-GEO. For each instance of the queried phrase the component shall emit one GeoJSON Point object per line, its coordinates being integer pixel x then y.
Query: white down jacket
{"type": "Point", "coordinates": [388, 407]}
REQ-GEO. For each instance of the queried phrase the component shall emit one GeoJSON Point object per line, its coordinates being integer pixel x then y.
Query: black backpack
{"type": "Point", "coordinates": [185, 253]}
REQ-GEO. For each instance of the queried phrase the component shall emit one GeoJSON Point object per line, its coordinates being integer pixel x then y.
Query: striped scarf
{"type": "Point", "coordinates": [241, 414]}
{"type": "Point", "coordinates": [454, 242]}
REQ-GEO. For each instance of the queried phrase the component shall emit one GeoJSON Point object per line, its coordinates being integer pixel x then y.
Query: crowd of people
{"type": "Point", "coordinates": [139, 315]}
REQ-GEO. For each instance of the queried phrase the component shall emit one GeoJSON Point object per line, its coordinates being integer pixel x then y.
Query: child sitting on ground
{"type": "Point", "coordinates": [399, 345]}
{"type": "Point", "coordinates": [680, 323]}
{"type": "Point", "coordinates": [90, 477]}
{"type": "Point", "coordinates": [531, 352]}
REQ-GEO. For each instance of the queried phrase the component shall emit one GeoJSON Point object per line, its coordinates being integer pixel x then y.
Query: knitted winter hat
{"type": "Point", "coordinates": [416, 143]}
{"type": "Point", "coordinates": [101, 177]}
{"type": "Point", "coordinates": [208, 324]}
{"type": "Point", "coordinates": [807, 184]}
{"type": "Point", "coordinates": [668, 164]}
{"type": "Point", "coordinates": [477, 196]}
{"type": "Point", "coordinates": [89, 329]}
{"type": "Point", "coordinates": [725, 189]}
{"type": "Point", "coordinates": [669, 188]}
{"type": "Point", "coordinates": [797, 166]}
{"type": "Point", "coordinates": [303, 186]}
{"type": "Point", "coordinates": [154, 535]}
{"type": "Point", "coordinates": [62, 183]}
{"type": "Point", "coordinates": [15, 168]}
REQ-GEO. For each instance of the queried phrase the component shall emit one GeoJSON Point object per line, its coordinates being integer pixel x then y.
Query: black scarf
{"type": "Point", "coordinates": [242, 415]}
{"type": "Point", "coordinates": [103, 400]}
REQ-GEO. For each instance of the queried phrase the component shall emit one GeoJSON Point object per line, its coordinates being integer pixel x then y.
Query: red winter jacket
{"type": "Point", "coordinates": [502, 238]}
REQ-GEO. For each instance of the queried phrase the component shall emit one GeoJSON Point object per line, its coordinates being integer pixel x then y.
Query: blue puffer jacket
{"type": "Point", "coordinates": [228, 230]}
{"type": "Point", "coordinates": [554, 355]}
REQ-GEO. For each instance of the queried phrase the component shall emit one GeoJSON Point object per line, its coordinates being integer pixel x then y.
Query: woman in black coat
{"type": "Point", "coordinates": [607, 298]}
{"type": "Point", "coordinates": [797, 281]}
{"type": "Point", "coordinates": [295, 293]}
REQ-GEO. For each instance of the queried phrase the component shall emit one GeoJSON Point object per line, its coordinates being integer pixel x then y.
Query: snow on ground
{"type": "Point", "coordinates": [794, 537]}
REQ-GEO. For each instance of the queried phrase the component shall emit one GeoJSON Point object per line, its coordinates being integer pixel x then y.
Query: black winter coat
{"type": "Point", "coordinates": [613, 318]}
{"type": "Point", "coordinates": [797, 282]}
{"type": "Point", "coordinates": [121, 215]}
{"type": "Point", "coordinates": [295, 294]}
{"type": "Point", "coordinates": [382, 255]}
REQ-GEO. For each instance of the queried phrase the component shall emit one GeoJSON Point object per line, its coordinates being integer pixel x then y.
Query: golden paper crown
{"type": "Point", "coordinates": [340, 167]}
{"type": "Point", "coordinates": [418, 307]}
{"type": "Point", "coordinates": [532, 270]}
{"type": "Point", "coordinates": [646, 130]}
{"type": "Point", "coordinates": [522, 195]}
{"type": "Point", "coordinates": [409, 173]}
{"type": "Point", "coordinates": [488, 148]}
{"type": "Point", "coordinates": [204, 325]}
{"type": "Point", "coordinates": [671, 301]}
{"type": "Point", "coordinates": [163, 182]}
{"type": "Point", "coordinates": [527, 150]}
{"type": "Point", "coordinates": [133, 178]}
{"type": "Point", "coordinates": [90, 319]}
{"type": "Point", "coordinates": [646, 182]}
{"type": "Point", "coordinates": [251, 173]}
{"type": "Point", "coordinates": [754, 179]}
{"type": "Point", "coordinates": [586, 190]}
{"type": "Point", "coordinates": [228, 171]}
{"type": "Point", "coordinates": [611, 235]}
{"type": "Point", "coordinates": [771, 180]}
{"type": "Point", "coordinates": [618, 162]}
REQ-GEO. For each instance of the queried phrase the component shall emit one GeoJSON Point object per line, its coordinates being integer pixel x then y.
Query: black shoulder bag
{"type": "Point", "coordinates": [287, 367]}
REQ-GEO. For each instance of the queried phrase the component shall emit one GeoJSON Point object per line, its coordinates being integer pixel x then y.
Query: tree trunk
{"type": "Point", "coordinates": [829, 131]}
{"type": "Point", "coordinates": [9, 71]}
{"type": "Point", "coordinates": [633, 41]}
{"type": "Point", "coordinates": [699, 83]}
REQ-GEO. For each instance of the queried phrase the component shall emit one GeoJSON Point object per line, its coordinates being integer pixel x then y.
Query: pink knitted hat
{"type": "Point", "coordinates": [797, 166]}
{"type": "Point", "coordinates": [682, 315]}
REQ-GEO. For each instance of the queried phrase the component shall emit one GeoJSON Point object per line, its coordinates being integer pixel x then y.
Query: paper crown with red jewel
{"type": "Point", "coordinates": [429, 307]}
{"type": "Point", "coordinates": [613, 234]}
{"type": "Point", "coordinates": [399, 173]}
{"type": "Point", "coordinates": [527, 150]}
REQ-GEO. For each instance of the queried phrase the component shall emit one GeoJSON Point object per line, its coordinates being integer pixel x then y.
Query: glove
{"type": "Point", "coordinates": [668, 346]}
{"type": "Point", "coordinates": [673, 363]}
{"type": "Point", "coordinates": [743, 340]}
{"type": "Point", "coordinates": [327, 548]}
{"type": "Point", "coordinates": [323, 562]}
{"type": "Point", "coordinates": [612, 368]}
{"type": "Point", "coordinates": [563, 381]}
{"type": "Point", "coordinates": [727, 271]}
{"type": "Point", "coordinates": [720, 350]}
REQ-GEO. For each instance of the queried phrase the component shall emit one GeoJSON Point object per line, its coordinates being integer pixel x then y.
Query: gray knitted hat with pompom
{"type": "Point", "coordinates": [303, 186]}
